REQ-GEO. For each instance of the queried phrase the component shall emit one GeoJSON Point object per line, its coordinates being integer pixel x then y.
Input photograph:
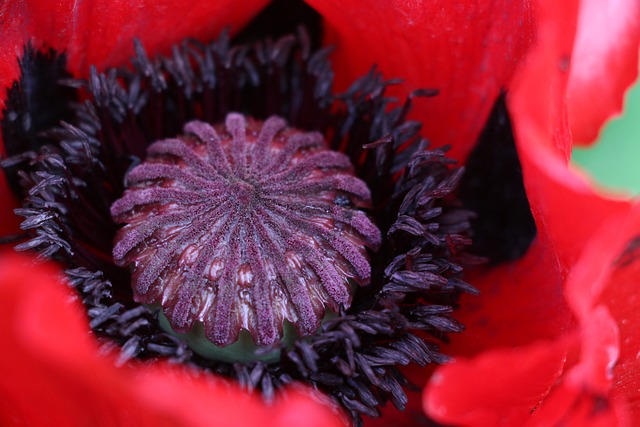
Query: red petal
{"type": "Point", "coordinates": [51, 372]}
{"type": "Point", "coordinates": [196, 400]}
{"type": "Point", "coordinates": [620, 295]}
{"type": "Point", "coordinates": [567, 209]}
{"type": "Point", "coordinates": [520, 314]}
{"type": "Point", "coordinates": [565, 206]}
{"type": "Point", "coordinates": [101, 32]}
{"type": "Point", "coordinates": [498, 388]}
{"type": "Point", "coordinates": [519, 303]}
{"type": "Point", "coordinates": [608, 333]}
{"type": "Point", "coordinates": [571, 407]}
{"type": "Point", "coordinates": [468, 51]}
{"type": "Point", "coordinates": [581, 396]}
{"type": "Point", "coordinates": [604, 63]}
{"type": "Point", "coordinates": [538, 99]}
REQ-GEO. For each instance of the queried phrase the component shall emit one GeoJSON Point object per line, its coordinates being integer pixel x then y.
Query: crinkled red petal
{"type": "Point", "coordinates": [566, 207]}
{"type": "Point", "coordinates": [567, 210]}
{"type": "Point", "coordinates": [52, 373]}
{"type": "Point", "coordinates": [468, 51]}
{"type": "Point", "coordinates": [604, 63]}
{"type": "Point", "coordinates": [621, 296]}
{"type": "Point", "coordinates": [601, 387]}
{"type": "Point", "coordinates": [596, 383]}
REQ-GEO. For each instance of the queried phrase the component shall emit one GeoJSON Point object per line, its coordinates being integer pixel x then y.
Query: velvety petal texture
{"type": "Point", "coordinates": [53, 373]}
{"type": "Point", "coordinates": [468, 51]}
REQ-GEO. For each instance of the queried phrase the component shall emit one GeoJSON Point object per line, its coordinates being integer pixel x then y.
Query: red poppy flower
{"type": "Point", "coordinates": [551, 338]}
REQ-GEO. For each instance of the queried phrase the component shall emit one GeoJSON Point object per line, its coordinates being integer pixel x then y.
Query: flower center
{"type": "Point", "coordinates": [243, 227]}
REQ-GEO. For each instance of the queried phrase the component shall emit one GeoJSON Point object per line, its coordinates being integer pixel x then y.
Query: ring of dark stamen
{"type": "Point", "coordinates": [71, 182]}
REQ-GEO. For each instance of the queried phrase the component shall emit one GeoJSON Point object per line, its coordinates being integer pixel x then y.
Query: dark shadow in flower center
{"type": "Point", "coordinates": [282, 17]}
{"type": "Point", "coordinates": [492, 187]}
{"type": "Point", "coordinates": [35, 104]}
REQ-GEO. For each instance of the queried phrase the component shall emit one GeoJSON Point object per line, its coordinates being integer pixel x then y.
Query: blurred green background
{"type": "Point", "coordinates": [614, 161]}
